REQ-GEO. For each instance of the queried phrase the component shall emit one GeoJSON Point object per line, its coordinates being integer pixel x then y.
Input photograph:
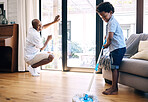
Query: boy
{"type": "Point", "coordinates": [33, 55]}
{"type": "Point", "coordinates": [115, 42]}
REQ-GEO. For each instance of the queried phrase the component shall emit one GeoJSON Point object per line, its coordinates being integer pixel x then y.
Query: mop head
{"type": "Point", "coordinates": [85, 98]}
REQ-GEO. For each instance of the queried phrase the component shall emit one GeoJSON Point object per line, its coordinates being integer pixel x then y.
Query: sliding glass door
{"type": "Point", "coordinates": [74, 43]}
{"type": "Point", "coordinates": [81, 33]}
{"type": "Point", "coordinates": [49, 9]}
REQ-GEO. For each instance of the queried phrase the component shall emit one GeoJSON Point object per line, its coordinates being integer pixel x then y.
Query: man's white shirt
{"type": "Point", "coordinates": [33, 44]}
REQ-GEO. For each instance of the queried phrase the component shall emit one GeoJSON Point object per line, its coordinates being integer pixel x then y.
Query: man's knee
{"type": "Point", "coordinates": [50, 57]}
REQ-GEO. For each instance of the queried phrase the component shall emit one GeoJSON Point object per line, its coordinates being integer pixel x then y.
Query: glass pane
{"type": "Point", "coordinates": [49, 9]}
{"type": "Point", "coordinates": [81, 33]}
{"type": "Point", "coordinates": [125, 14]}
{"type": "Point", "coordinates": [145, 22]}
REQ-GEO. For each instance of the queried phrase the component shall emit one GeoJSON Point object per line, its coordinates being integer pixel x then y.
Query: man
{"type": "Point", "coordinates": [34, 54]}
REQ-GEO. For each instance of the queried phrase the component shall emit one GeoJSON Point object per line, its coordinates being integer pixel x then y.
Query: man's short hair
{"type": "Point", "coordinates": [35, 23]}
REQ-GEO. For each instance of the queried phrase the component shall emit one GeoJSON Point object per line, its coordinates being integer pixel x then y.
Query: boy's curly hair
{"type": "Point", "coordinates": [105, 6]}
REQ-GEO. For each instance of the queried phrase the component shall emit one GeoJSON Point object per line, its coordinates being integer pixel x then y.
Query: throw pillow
{"type": "Point", "coordinates": [143, 45]}
{"type": "Point", "coordinates": [142, 51]}
{"type": "Point", "coordinates": [141, 55]}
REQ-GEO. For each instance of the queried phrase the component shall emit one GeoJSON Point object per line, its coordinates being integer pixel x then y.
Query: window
{"type": "Point", "coordinates": [49, 9]}
{"type": "Point", "coordinates": [145, 22]}
{"type": "Point", "coordinates": [125, 13]}
{"type": "Point", "coordinates": [81, 45]}
{"type": "Point", "coordinates": [82, 36]}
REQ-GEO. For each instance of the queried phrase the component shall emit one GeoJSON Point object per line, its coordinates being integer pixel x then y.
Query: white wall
{"type": "Point", "coordinates": [12, 10]}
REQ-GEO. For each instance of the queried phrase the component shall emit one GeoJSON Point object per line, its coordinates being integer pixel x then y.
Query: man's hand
{"type": "Point", "coordinates": [57, 18]}
{"type": "Point", "coordinates": [46, 42]}
{"type": "Point", "coordinates": [50, 52]}
{"type": "Point", "coordinates": [49, 37]}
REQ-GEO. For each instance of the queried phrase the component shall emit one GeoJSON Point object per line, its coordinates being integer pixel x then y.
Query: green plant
{"type": "Point", "coordinates": [75, 48]}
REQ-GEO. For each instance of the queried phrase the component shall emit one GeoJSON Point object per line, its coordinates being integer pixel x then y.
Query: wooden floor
{"type": "Point", "coordinates": [56, 86]}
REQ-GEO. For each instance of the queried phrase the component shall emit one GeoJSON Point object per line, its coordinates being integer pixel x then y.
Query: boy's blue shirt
{"type": "Point", "coordinates": [118, 40]}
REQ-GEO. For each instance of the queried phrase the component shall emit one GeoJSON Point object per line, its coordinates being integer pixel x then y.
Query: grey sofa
{"type": "Point", "coordinates": [132, 72]}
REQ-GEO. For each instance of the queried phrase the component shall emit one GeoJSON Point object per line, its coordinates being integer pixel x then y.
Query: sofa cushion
{"type": "Point", "coordinates": [134, 66]}
{"type": "Point", "coordinates": [132, 43]}
{"type": "Point", "coordinates": [144, 37]}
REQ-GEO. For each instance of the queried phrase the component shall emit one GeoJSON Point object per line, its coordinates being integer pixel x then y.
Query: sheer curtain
{"type": "Point", "coordinates": [26, 11]}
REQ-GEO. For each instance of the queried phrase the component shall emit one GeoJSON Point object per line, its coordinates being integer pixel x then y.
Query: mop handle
{"type": "Point", "coordinates": [96, 69]}
{"type": "Point", "coordinates": [90, 84]}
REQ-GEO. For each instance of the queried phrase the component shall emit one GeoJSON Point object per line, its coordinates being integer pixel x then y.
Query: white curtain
{"type": "Point", "coordinates": [26, 11]}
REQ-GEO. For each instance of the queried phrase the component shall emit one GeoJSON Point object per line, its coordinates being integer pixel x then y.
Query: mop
{"type": "Point", "coordinates": [87, 97]}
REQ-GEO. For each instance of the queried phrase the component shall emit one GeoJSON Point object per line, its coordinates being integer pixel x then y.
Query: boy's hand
{"type": "Point", "coordinates": [57, 18]}
{"type": "Point", "coordinates": [105, 46]}
{"type": "Point", "coordinates": [105, 37]}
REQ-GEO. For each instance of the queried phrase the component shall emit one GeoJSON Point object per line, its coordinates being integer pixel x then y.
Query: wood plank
{"type": "Point", "coordinates": [6, 30]}
{"type": "Point", "coordinates": [9, 38]}
{"type": "Point", "coordinates": [56, 86]}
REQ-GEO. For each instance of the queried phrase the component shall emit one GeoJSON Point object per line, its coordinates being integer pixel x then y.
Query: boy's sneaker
{"type": "Point", "coordinates": [33, 71]}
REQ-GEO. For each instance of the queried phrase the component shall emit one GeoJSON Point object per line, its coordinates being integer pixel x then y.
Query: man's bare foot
{"type": "Point", "coordinates": [110, 91]}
